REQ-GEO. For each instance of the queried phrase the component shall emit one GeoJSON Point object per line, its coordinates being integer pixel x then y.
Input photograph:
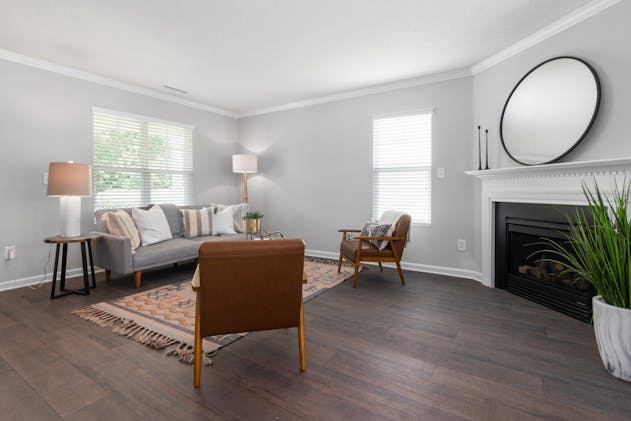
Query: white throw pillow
{"type": "Point", "coordinates": [238, 212]}
{"type": "Point", "coordinates": [224, 222]}
{"type": "Point", "coordinates": [152, 225]}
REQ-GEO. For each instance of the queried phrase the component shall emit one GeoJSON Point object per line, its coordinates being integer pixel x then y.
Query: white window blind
{"type": "Point", "coordinates": [139, 161]}
{"type": "Point", "coordinates": [402, 166]}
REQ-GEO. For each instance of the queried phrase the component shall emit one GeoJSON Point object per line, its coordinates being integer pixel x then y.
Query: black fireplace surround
{"type": "Point", "coordinates": [521, 268]}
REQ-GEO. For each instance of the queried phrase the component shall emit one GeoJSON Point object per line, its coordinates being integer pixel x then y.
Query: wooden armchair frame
{"type": "Point", "coordinates": [395, 258]}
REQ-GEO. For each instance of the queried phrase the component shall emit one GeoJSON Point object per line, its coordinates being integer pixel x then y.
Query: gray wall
{"type": "Point", "coordinates": [315, 161]}
{"type": "Point", "coordinates": [316, 164]}
{"type": "Point", "coordinates": [47, 117]}
{"type": "Point", "coordinates": [602, 40]}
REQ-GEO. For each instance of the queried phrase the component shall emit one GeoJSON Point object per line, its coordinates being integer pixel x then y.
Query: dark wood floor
{"type": "Point", "coordinates": [439, 348]}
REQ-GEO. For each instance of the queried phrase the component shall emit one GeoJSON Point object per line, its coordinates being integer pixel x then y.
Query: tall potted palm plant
{"type": "Point", "coordinates": [600, 252]}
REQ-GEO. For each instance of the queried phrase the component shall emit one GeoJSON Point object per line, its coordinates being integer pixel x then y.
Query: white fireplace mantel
{"type": "Point", "coordinates": [549, 183]}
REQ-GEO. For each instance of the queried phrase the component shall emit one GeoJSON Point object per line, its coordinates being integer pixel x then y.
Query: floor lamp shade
{"type": "Point", "coordinates": [244, 164]}
{"type": "Point", "coordinates": [69, 181]}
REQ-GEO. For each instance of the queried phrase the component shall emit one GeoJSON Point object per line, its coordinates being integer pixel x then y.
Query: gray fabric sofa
{"type": "Point", "coordinates": [113, 252]}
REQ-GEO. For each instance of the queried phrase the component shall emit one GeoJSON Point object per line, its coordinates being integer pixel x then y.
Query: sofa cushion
{"type": "Point", "coordinates": [165, 252]}
{"type": "Point", "coordinates": [238, 212]}
{"type": "Point", "coordinates": [223, 221]}
{"type": "Point", "coordinates": [223, 237]}
{"type": "Point", "coordinates": [152, 225]}
{"type": "Point", "coordinates": [174, 218]}
{"type": "Point", "coordinates": [100, 223]}
{"type": "Point", "coordinates": [198, 222]}
{"type": "Point", "coordinates": [120, 223]}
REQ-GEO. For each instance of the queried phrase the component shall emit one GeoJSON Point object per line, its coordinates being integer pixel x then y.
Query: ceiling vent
{"type": "Point", "coordinates": [171, 88]}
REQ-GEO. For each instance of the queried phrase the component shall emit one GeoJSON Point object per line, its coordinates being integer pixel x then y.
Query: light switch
{"type": "Point", "coordinates": [45, 178]}
{"type": "Point", "coordinates": [440, 173]}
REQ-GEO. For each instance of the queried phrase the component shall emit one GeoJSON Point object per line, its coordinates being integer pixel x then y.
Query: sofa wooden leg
{"type": "Point", "coordinates": [108, 274]}
{"type": "Point", "coordinates": [355, 275]}
{"type": "Point", "coordinates": [400, 274]}
{"type": "Point", "coordinates": [197, 352]}
{"type": "Point", "coordinates": [301, 339]}
{"type": "Point", "coordinates": [137, 279]}
{"type": "Point", "coordinates": [380, 267]}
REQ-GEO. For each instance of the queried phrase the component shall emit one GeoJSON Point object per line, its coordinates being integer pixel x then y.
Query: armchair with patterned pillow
{"type": "Point", "coordinates": [381, 241]}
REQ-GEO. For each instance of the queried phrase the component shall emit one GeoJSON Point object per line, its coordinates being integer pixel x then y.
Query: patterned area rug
{"type": "Point", "coordinates": [164, 317]}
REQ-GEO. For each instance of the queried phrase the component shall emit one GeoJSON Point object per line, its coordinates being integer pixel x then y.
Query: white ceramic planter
{"type": "Point", "coordinates": [612, 326]}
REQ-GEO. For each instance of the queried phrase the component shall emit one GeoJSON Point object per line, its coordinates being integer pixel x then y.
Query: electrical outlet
{"type": "Point", "coordinates": [462, 245]}
{"type": "Point", "coordinates": [440, 173]}
{"type": "Point", "coordinates": [10, 253]}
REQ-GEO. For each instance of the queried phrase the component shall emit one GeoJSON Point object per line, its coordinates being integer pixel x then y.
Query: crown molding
{"type": "Point", "coordinates": [569, 20]}
{"type": "Point", "coordinates": [376, 89]}
{"type": "Point", "coordinates": [112, 83]}
{"type": "Point", "coordinates": [556, 27]}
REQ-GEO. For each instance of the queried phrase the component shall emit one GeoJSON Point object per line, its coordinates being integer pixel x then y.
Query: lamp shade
{"type": "Point", "coordinates": [242, 163]}
{"type": "Point", "coordinates": [69, 179]}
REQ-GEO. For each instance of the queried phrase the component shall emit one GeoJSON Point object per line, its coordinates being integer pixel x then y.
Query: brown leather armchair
{"type": "Point", "coordinates": [358, 249]}
{"type": "Point", "coordinates": [247, 286]}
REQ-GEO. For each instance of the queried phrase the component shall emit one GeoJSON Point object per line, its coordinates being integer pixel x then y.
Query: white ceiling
{"type": "Point", "coordinates": [244, 55]}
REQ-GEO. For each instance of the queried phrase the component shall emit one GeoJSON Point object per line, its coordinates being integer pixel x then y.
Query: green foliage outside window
{"type": "Point", "coordinates": [116, 148]}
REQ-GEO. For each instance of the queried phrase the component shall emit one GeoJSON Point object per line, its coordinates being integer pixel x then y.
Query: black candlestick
{"type": "Point", "coordinates": [479, 151]}
{"type": "Point", "coordinates": [486, 150]}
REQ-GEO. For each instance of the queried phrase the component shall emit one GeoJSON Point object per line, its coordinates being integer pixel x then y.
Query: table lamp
{"type": "Point", "coordinates": [69, 181]}
{"type": "Point", "coordinates": [244, 164]}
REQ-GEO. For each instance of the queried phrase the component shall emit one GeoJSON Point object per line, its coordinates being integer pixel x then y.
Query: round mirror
{"type": "Point", "coordinates": [550, 111]}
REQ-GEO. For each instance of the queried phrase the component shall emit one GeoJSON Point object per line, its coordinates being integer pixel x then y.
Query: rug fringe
{"type": "Point", "coordinates": [186, 353]}
{"type": "Point", "coordinates": [148, 337]}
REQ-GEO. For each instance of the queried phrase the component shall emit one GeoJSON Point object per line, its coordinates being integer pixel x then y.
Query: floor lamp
{"type": "Point", "coordinates": [69, 181]}
{"type": "Point", "coordinates": [244, 164]}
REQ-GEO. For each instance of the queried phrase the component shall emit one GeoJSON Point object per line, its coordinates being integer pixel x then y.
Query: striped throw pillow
{"type": "Point", "coordinates": [198, 222]}
{"type": "Point", "coordinates": [120, 223]}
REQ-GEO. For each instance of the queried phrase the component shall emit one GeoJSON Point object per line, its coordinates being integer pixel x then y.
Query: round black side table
{"type": "Point", "coordinates": [84, 241]}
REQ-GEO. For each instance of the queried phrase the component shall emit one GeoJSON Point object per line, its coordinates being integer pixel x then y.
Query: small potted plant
{"type": "Point", "coordinates": [600, 252]}
{"type": "Point", "coordinates": [253, 221]}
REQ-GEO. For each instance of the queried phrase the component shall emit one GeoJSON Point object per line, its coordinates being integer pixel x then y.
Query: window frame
{"type": "Point", "coordinates": [144, 121]}
{"type": "Point", "coordinates": [418, 111]}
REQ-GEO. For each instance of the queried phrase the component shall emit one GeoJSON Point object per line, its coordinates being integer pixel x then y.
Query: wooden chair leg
{"type": "Point", "coordinates": [355, 275]}
{"type": "Point", "coordinates": [339, 264]}
{"type": "Point", "coordinates": [400, 274]}
{"type": "Point", "coordinates": [137, 279]}
{"type": "Point", "coordinates": [197, 352]}
{"type": "Point", "coordinates": [108, 274]}
{"type": "Point", "coordinates": [301, 340]}
{"type": "Point", "coordinates": [380, 267]}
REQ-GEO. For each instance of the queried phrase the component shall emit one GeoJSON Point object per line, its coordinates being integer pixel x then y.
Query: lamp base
{"type": "Point", "coordinates": [70, 207]}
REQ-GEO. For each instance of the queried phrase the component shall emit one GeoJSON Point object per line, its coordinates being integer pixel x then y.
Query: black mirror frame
{"type": "Point", "coordinates": [589, 126]}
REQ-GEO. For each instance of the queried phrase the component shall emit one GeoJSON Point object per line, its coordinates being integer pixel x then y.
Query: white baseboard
{"type": "Point", "coordinates": [415, 267]}
{"type": "Point", "coordinates": [322, 254]}
{"type": "Point", "coordinates": [37, 279]}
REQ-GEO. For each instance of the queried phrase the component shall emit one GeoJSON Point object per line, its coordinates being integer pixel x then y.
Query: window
{"type": "Point", "coordinates": [139, 161]}
{"type": "Point", "coordinates": [402, 166]}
